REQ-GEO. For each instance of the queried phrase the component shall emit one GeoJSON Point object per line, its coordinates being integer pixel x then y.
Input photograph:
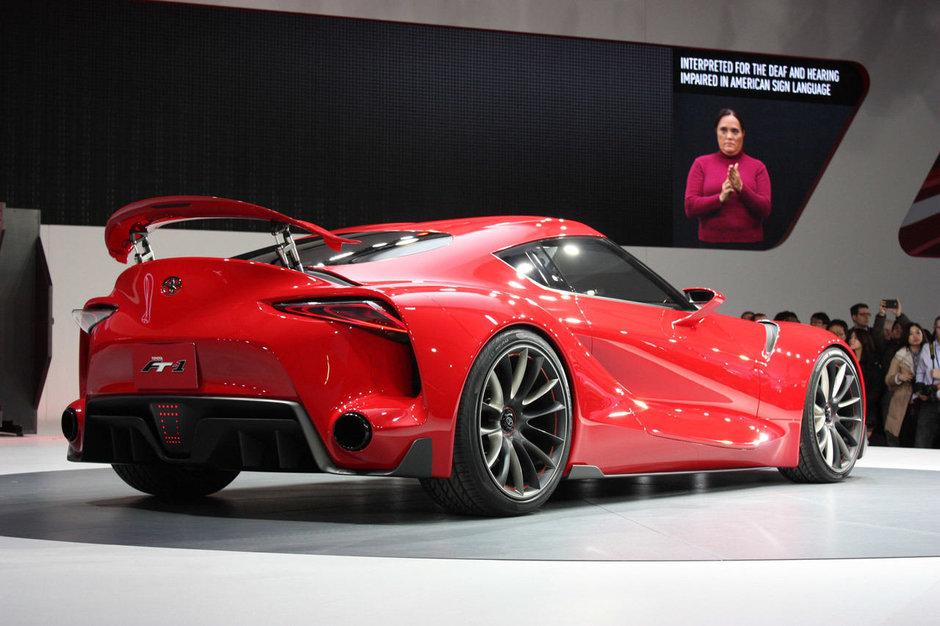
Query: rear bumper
{"type": "Point", "coordinates": [217, 432]}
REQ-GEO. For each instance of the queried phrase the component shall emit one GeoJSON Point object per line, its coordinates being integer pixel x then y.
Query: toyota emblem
{"type": "Point", "coordinates": [171, 285]}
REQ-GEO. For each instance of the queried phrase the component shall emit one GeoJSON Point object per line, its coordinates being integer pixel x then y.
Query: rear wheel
{"type": "Point", "coordinates": [513, 430]}
{"type": "Point", "coordinates": [833, 429]}
{"type": "Point", "coordinates": [172, 482]}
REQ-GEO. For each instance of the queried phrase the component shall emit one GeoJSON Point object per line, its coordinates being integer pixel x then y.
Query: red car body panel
{"type": "Point", "coordinates": [654, 388]}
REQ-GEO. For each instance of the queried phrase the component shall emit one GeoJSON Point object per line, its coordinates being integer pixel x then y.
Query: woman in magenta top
{"type": "Point", "coordinates": [728, 191]}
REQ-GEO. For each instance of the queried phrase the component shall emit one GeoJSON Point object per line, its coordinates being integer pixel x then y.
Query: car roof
{"type": "Point", "coordinates": [474, 241]}
{"type": "Point", "coordinates": [500, 230]}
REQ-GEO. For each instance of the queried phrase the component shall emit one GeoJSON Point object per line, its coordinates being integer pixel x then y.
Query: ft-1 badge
{"type": "Point", "coordinates": [159, 365]}
{"type": "Point", "coordinates": [165, 366]}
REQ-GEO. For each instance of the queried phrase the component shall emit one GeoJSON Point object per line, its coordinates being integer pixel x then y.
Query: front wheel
{"type": "Point", "coordinates": [174, 483]}
{"type": "Point", "coordinates": [513, 430]}
{"type": "Point", "coordinates": [833, 430]}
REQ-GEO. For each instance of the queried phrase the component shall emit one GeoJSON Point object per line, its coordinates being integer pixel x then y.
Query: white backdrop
{"type": "Point", "coordinates": [844, 248]}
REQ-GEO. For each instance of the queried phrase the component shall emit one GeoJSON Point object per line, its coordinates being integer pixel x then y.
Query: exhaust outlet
{"type": "Point", "coordinates": [352, 431]}
{"type": "Point", "coordinates": [70, 424]}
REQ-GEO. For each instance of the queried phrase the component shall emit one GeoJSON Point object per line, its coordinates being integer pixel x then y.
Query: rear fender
{"type": "Point", "coordinates": [447, 331]}
{"type": "Point", "coordinates": [449, 328]}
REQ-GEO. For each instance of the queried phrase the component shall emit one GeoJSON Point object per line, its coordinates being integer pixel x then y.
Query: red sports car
{"type": "Point", "coordinates": [488, 357]}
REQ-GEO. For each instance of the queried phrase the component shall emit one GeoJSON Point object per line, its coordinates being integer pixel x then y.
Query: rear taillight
{"type": "Point", "coordinates": [367, 314]}
{"type": "Point", "coordinates": [88, 318]}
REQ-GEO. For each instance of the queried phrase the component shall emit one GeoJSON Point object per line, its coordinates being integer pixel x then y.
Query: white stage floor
{"type": "Point", "coordinates": [78, 546]}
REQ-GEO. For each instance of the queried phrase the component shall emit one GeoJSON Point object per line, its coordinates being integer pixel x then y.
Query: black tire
{"type": "Point", "coordinates": [174, 483]}
{"type": "Point", "coordinates": [513, 431]}
{"type": "Point", "coordinates": [832, 434]}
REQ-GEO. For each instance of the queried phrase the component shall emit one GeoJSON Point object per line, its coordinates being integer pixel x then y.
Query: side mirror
{"type": "Point", "coordinates": [707, 301]}
{"type": "Point", "coordinates": [699, 296]}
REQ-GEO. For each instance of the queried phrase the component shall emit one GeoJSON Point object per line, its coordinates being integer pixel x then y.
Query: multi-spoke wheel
{"type": "Point", "coordinates": [833, 429]}
{"type": "Point", "coordinates": [513, 430]}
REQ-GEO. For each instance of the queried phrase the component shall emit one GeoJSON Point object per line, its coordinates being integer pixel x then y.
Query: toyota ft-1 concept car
{"type": "Point", "coordinates": [488, 357]}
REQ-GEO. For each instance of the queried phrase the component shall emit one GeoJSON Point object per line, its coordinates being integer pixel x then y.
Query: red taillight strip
{"type": "Point", "coordinates": [367, 314]}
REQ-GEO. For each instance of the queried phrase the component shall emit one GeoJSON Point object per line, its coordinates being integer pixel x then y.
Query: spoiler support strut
{"type": "Point", "coordinates": [286, 247]}
{"type": "Point", "coordinates": [142, 250]}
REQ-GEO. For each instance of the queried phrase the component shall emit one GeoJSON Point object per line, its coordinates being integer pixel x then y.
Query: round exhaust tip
{"type": "Point", "coordinates": [70, 424]}
{"type": "Point", "coordinates": [352, 431]}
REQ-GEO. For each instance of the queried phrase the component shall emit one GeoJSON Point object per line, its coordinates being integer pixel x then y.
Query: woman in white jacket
{"type": "Point", "coordinates": [900, 377]}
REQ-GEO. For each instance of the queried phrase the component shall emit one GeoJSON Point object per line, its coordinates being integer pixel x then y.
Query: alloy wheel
{"type": "Point", "coordinates": [523, 421]}
{"type": "Point", "coordinates": [838, 413]}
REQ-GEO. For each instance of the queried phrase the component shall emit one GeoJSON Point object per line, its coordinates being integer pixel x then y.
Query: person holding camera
{"type": "Point", "coordinates": [861, 315]}
{"type": "Point", "coordinates": [926, 387]}
{"type": "Point", "coordinates": [903, 403]}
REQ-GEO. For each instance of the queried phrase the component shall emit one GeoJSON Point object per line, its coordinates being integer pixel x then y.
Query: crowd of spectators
{"type": "Point", "coordinates": [900, 365]}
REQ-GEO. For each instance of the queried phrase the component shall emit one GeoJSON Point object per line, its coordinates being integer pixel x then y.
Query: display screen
{"type": "Point", "coordinates": [345, 121]}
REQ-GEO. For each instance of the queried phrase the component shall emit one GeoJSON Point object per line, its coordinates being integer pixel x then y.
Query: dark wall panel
{"type": "Point", "coordinates": [334, 120]}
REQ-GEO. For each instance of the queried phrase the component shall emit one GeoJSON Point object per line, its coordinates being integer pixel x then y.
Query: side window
{"type": "Point", "coordinates": [597, 268]}
{"type": "Point", "coordinates": [531, 261]}
{"type": "Point", "coordinates": [519, 259]}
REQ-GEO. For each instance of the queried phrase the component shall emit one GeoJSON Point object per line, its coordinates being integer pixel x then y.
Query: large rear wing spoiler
{"type": "Point", "coordinates": [128, 228]}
